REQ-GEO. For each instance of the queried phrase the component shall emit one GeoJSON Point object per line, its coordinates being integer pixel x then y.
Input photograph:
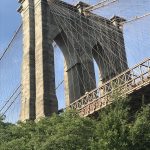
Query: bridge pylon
{"type": "Point", "coordinates": [81, 37]}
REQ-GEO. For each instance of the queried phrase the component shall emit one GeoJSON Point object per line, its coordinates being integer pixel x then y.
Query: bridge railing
{"type": "Point", "coordinates": [127, 82]}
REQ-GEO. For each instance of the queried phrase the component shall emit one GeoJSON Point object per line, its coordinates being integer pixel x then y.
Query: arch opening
{"type": "Point", "coordinates": [98, 63]}
{"type": "Point", "coordinates": [79, 75]}
{"type": "Point", "coordinates": [97, 73]}
{"type": "Point", "coordinates": [59, 76]}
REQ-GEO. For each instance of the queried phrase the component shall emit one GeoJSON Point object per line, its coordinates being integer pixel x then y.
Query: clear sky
{"type": "Point", "coordinates": [136, 34]}
{"type": "Point", "coordinates": [9, 21]}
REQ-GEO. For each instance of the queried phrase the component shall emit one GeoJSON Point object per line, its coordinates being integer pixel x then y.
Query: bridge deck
{"type": "Point", "coordinates": [133, 81]}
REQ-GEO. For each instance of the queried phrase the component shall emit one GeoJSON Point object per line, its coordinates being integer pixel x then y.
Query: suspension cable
{"type": "Point", "coordinates": [11, 104]}
{"type": "Point", "coordinates": [10, 42]}
{"type": "Point", "coordinates": [100, 4]}
{"type": "Point", "coordinates": [135, 19]}
{"type": "Point", "coordinates": [59, 85]}
{"type": "Point", "coordinates": [15, 91]}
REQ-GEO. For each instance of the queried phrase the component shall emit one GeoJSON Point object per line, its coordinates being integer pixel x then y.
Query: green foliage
{"type": "Point", "coordinates": [69, 132]}
{"type": "Point", "coordinates": [140, 131]}
{"type": "Point", "coordinates": [112, 130]}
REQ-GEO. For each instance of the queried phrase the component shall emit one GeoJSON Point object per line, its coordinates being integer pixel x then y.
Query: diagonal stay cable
{"type": "Point", "coordinates": [18, 96]}
{"type": "Point", "coordinates": [15, 91]}
{"type": "Point", "coordinates": [17, 31]}
{"type": "Point", "coordinates": [11, 104]}
{"type": "Point", "coordinates": [99, 5]}
{"type": "Point", "coordinates": [59, 85]}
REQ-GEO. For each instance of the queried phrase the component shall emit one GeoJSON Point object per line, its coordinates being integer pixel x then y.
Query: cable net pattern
{"type": "Point", "coordinates": [77, 31]}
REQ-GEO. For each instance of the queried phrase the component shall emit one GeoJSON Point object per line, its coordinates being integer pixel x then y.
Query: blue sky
{"type": "Point", "coordinates": [9, 21]}
{"type": "Point", "coordinates": [136, 34]}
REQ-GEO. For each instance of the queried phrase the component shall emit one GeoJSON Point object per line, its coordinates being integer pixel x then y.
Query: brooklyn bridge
{"type": "Point", "coordinates": [94, 53]}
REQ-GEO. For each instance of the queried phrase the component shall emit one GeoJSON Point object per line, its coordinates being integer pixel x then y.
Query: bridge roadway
{"type": "Point", "coordinates": [134, 81]}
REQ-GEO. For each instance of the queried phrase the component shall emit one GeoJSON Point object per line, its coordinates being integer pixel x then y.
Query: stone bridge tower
{"type": "Point", "coordinates": [43, 23]}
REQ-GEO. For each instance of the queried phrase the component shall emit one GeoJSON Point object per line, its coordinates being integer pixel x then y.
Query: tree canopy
{"type": "Point", "coordinates": [111, 130]}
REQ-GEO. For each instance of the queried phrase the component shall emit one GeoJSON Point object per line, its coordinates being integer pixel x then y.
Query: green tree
{"type": "Point", "coordinates": [18, 136]}
{"type": "Point", "coordinates": [112, 127]}
{"type": "Point", "coordinates": [112, 130]}
{"type": "Point", "coordinates": [67, 132]}
{"type": "Point", "coordinates": [140, 130]}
